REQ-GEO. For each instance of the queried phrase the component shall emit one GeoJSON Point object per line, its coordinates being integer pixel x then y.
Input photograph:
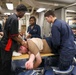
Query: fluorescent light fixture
{"type": "Point", "coordinates": [70, 11]}
{"type": "Point", "coordinates": [7, 13]}
{"type": "Point", "coordinates": [9, 5]}
{"type": "Point", "coordinates": [40, 9]}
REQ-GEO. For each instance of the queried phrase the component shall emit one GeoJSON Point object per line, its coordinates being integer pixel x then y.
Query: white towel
{"type": "Point", "coordinates": [38, 42]}
{"type": "Point", "coordinates": [16, 53]}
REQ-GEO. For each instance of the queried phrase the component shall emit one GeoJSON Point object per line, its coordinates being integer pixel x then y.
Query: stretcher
{"type": "Point", "coordinates": [54, 70]}
{"type": "Point", "coordinates": [26, 56]}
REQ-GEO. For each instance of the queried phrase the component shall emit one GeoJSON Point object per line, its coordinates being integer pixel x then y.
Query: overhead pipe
{"type": "Point", "coordinates": [70, 5]}
{"type": "Point", "coordinates": [52, 3]}
{"type": "Point", "coordinates": [32, 10]}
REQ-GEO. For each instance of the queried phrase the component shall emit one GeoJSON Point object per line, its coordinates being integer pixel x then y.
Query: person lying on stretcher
{"type": "Point", "coordinates": [35, 46]}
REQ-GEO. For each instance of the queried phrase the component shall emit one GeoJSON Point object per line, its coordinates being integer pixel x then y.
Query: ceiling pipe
{"type": "Point", "coordinates": [52, 3]}
{"type": "Point", "coordinates": [70, 5]}
{"type": "Point", "coordinates": [32, 10]}
{"type": "Point", "coordinates": [20, 1]}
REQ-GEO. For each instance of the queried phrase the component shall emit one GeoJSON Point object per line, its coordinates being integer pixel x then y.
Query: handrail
{"type": "Point", "coordinates": [63, 72]}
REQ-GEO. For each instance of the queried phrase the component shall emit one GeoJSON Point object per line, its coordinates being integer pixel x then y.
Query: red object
{"type": "Point", "coordinates": [9, 42]}
{"type": "Point", "coordinates": [8, 45]}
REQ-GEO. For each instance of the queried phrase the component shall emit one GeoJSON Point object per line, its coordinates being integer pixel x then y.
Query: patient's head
{"type": "Point", "coordinates": [22, 49]}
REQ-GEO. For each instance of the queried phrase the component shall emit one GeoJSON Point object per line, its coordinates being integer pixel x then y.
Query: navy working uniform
{"type": "Point", "coordinates": [62, 43]}
{"type": "Point", "coordinates": [7, 43]}
{"type": "Point", "coordinates": [35, 31]}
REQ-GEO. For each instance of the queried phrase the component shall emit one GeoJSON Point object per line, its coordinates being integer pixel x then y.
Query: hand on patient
{"type": "Point", "coordinates": [28, 36]}
{"type": "Point", "coordinates": [29, 65]}
{"type": "Point", "coordinates": [1, 33]}
{"type": "Point", "coordinates": [24, 43]}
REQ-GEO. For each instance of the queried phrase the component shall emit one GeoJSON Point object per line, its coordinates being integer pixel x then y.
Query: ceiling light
{"type": "Point", "coordinates": [70, 11]}
{"type": "Point", "coordinates": [9, 5]}
{"type": "Point", "coordinates": [40, 9]}
{"type": "Point", "coordinates": [7, 13]}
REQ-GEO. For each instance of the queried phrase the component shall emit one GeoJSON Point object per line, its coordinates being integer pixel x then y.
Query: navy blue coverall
{"type": "Point", "coordinates": [62, 43]}
{"type": "Point", "coordinates": [35, 31]}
